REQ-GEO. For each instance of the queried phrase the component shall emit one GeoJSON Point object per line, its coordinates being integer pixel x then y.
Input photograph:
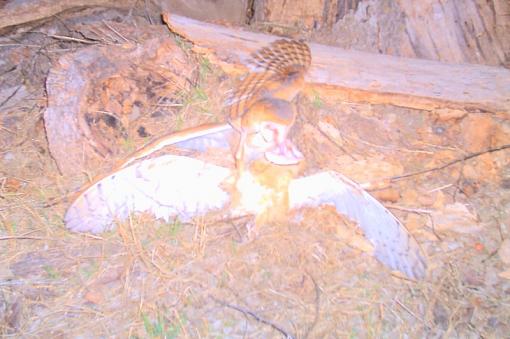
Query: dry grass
{"type": "Point", "coordinates": [149, 278]}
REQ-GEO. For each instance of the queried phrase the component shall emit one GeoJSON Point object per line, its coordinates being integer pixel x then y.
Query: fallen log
{"type": "Point", "coordinates": [14, 13]}
{"type": "Point", "coordinates": [359, 76]}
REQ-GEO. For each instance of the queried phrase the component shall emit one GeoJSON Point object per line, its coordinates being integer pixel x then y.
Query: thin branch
{"type": "Point", "coordinates": [68, 38]}
{"type": "Point", "coordinates": [25, 236]}
{"type": "Point", "coordinates": [9, 97]}
{"type": "Point", "coordinates": [317, 306]}
{"type": "Point", "coordinates": [336, 144]}
{"type": "Point", "coordinates": [14, 237]}
{"type": "Point", "coordinates": [115, 31]}
{"type": "Point", "coordinates": [420, 211]}
{"type": "Point", "coordinates": [409, 311]}
{"type": "Point", "coordinates": [255, 316]}
{"type": "Point", "coordinates": [453, 162]}
{"type": "Point", "coordinates": [408, 209]}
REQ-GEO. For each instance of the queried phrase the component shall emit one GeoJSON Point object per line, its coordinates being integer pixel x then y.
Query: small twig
{"type": "Point", "coordinates": [110, 114]}
{"type": "Point", "coordinates": [31, 282]}
{"type": "Point", "coordinates": [453, 162]}
{"type": "Point", "coordinates": [25, 236]}
{"type": "Point", "coordinates": [408, 209]}
{"type": "Point", "coordinates": [410, 312]}
{"type": "Point", "coordinates": [141, 252]}
{"type": "Point", "coordinates": [255, 316]}
{"type": "Point", "coordinates": [317, 306]}
{"type": "Point", "coordinates": [20, 237]}
{"type": "Point", "coordinates": [8, 130]}
{"type": "Point", "coordinates": [233, 224]}
{"type": "Point", "coordinates": [490, 255]}
{"type": "Point", "coordinates": [330, 139]}
{"type": "Point", "coordinates": [92, 236]}
{"type": "Point", "coordinates": [58, 200]}
{"type": "Point", "coordinates": [147, 13]}
{"type": "Point", "coordinates": [183, 328]}
{"type": "Point", "coordinates": [115, 31]}
{"type": "Point", "coordinates": [274, 24]}
{"type": "Point", "coordinates": [420, 211]}
{"type": "Point", "coordinates": [439, 188]}
{"type": "Point", "coordinates": [68, 38]}
{"type": "Point", "coordinates": [390, 148]}
{"type": "Point", "coordinates": [13, 68]}
{"type": "Point", "coordinates": [19, 44]}
{"type": "Point", "coordinates": [457, 185]}
{"type": "Point", "coordinates": [10, 96]}
{"type": "Point", "coordinates": [167, 105]}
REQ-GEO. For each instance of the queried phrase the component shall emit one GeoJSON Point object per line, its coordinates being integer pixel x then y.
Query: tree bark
{"type": "Point", "coordinates": [19, 12]}
{"type": "Point", "coordinates": [360, 76]}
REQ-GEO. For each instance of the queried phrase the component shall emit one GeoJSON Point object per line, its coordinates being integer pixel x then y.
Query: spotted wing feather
{"type": "Point", "coordinates": [167, 186]}
{"type": "Point", "coordinates": [273, 63]}
{"type": "Point", "coordinates": [393, 245]}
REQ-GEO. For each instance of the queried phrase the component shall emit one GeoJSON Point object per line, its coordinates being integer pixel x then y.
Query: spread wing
{"type": "Point", "coordinates": [393, 244]}
{"type": "Point", "coordinates": [200, 138]}
{"type": "Point", "coordinates": [170, 186]}
{"type": "Point", "coordinates": [215, 139]}
{"type": "Point", "coordinates": [166, 186]}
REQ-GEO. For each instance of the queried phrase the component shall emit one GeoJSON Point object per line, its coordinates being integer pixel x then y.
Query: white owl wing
{"type": "Point", "coordinates": [393, 245]}
{"type": "Point", "coordinates": [166, 186]}
{"type": "Point", "coordinates": [178, 186]}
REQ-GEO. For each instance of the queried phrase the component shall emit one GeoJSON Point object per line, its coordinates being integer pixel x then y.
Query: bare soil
{"type": "Point", "coordinates": [149, 278]}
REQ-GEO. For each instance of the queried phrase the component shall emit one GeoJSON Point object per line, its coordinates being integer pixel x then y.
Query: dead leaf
{"type": "Point", "coordinates": [389, 194]}
{"type": "Point", "coordinates": [94, 297]}
{"type": "Point", "coordinates": [410, 197]}
{"type": "Point", "coordinates": [457, 218]}
{"type": "Point", "coordinates": [354, 240]}
{"type": "Point", "coordinates": [415, 221]}
{"type": "Point", "coordinates": [11, 185]}
{"type": "Point", "coordinates": [331, 131]}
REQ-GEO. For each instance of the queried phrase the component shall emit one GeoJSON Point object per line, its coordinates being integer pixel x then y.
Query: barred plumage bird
{"type": "Point", "coordinates": [262, 104]}
{"type": "Point", "coordinates": [173, 185]}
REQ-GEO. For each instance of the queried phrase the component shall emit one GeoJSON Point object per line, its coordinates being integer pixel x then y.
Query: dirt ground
{"type": "Point", "coordinates": [150, 279]}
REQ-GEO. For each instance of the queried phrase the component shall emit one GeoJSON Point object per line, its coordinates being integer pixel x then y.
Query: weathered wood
{"type": "Point", "coordinates": [472, 31]}
{"type": "Point", "coordinates": [360, 76]}
{"type": "Point", "coordinates": [457, 31]}
{"type": "Point", "coordinates": [19, 12]}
